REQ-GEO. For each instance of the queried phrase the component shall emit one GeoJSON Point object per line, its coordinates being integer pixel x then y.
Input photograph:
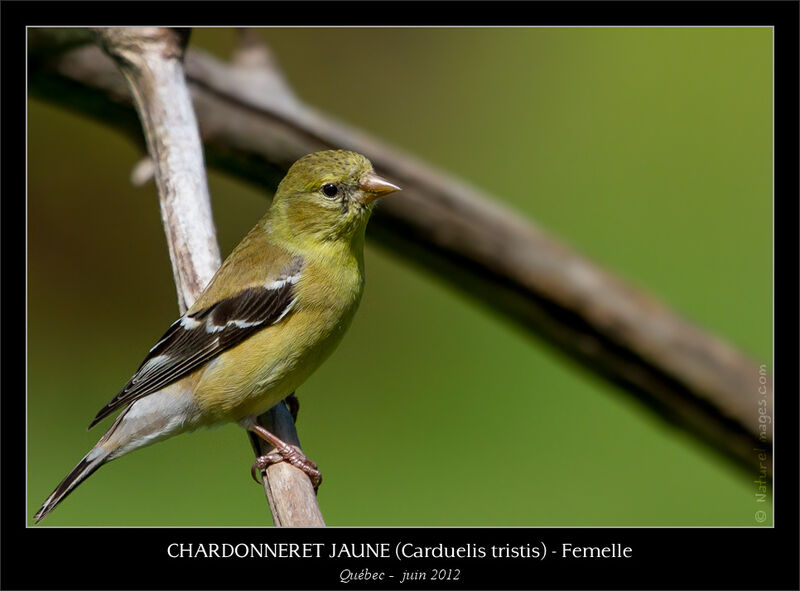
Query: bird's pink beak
{"type": "Point", "coordinates": [374, 187]}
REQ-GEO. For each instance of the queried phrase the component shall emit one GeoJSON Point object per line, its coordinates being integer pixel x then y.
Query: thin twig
{"type": "Point", "coordinates": [151, 59]}
{"type": "Point", "coordinates": [686, 375]}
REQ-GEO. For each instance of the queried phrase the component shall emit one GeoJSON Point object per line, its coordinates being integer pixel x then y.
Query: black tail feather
{"type": "Point", "coordinates": [79, 473]}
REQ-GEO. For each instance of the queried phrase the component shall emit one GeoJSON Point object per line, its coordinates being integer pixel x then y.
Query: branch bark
{"type": "Point", "coordinates": [254, 127]}
{"type": "Point", "coordinates": [151, 60]}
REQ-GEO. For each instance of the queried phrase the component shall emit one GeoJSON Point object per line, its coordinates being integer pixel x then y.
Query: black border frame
{"type": "Point", "coordinates": [663, 558]}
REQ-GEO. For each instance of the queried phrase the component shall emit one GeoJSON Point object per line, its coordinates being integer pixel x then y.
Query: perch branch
{"type": "Point", "coordinates": [254, 127]}
{"type": "Point", "coordinates": [151, 60]}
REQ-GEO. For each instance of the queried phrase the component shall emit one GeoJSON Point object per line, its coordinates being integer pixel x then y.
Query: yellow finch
{"type": "Point", "coordinates": [274, 311]}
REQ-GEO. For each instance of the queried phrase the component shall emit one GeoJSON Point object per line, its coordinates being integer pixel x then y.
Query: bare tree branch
{"type": "Point", "coordinates": [687, 376]}
{"type": "Point", "coordinates": [292, 500]}
{"type": "Point", "coordinates": [151, 59]}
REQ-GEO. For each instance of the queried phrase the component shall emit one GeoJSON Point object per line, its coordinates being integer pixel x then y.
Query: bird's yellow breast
{"type": "Point", "coordinates": [253, 376]}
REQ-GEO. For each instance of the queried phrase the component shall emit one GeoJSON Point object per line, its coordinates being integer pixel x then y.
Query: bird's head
{"type": "Point", "coordinates": [329, 195]}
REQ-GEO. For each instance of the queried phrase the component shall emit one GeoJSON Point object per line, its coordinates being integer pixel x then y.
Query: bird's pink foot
{"type": "Point", "coordinates": [291, 454]}
{"type": "Point", "coordinates": [283, 452]}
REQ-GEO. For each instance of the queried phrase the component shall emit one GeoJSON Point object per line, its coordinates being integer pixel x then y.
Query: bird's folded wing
{"type": "Point", "coordinates": [202, 334]}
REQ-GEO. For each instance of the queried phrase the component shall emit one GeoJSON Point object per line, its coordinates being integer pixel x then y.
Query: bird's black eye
{"type": "Point", "coordinates": [330, 190]}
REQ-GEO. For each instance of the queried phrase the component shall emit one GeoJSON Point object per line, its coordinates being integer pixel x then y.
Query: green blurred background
{"type": "Point", "coordinates": [649, 150]}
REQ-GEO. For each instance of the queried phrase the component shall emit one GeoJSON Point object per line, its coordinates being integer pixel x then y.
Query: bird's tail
{"type": "Point", "coordinates": [85, 468]}
{"type": "Point", "coordinates": [150, 419]}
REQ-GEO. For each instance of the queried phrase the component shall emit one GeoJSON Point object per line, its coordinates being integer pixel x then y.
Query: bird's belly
{"type": "Point", "coordinates": [269, 365]}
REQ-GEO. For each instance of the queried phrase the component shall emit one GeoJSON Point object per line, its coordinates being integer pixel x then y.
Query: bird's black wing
{"type": "Point", "coordinates": [198, 337]}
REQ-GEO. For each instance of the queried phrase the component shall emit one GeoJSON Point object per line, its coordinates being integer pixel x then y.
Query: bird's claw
{"type": "Point", "coordinates": [294, 456]}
